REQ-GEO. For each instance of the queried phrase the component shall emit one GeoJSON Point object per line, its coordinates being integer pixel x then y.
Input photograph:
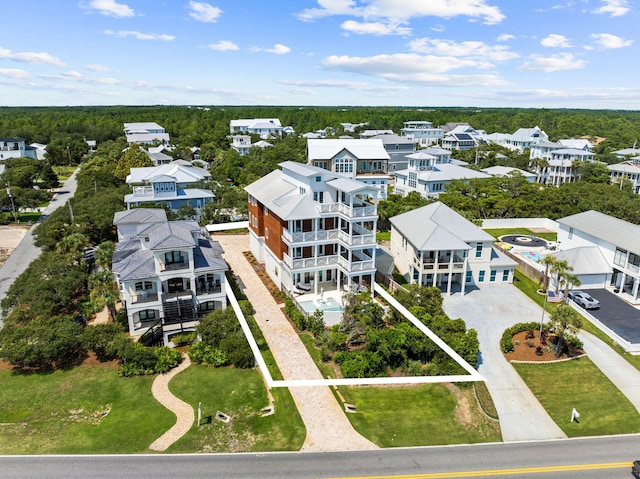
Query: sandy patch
{"type": "Point", "coordinates": [10, 236]}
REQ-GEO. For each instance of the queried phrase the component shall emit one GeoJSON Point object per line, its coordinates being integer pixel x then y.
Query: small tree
{"type": "Point", "coordinates": [548, 261]}
{"type": "Point", "coordinates": [559, 269]}
{"type": "Point", "coordinates": [564, 318]}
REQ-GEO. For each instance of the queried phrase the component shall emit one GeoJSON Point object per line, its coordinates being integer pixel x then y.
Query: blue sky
{"type": "Point", "coordinates": [500, 53]}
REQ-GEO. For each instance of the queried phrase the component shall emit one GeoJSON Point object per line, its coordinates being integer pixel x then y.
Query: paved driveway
{"type": "Point", "coordinates": [617, 315]}
{"type": "Point", "coordinates": [490, 311]}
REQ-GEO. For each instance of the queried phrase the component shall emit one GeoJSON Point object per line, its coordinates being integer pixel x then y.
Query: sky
{"type": "Point", "coordinates": [468, 53]}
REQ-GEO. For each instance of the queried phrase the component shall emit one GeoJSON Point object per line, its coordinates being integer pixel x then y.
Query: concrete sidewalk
{"type": "Point", "coordinates": [328, 429]}
{"type": "Point", "coordinates": [622, 374]}
{"type": "Point", "coordinates": [490, 311]}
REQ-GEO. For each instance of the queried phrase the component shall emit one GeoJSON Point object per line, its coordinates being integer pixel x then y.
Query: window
{"type": "Point", "coordinates": [570, 232]}
{"type": "Point", "coordinates": [143, 285]}
{"type": "Point", "coordinates": [481, 276]}
{"type": "Point", "coordinates": [302, 190]}
{"type": "Point", "coordinates": [147, 314]}
{"type": "Point", "coordinates": [173, 257]}
{"type": "Point", "coordinates": [492, 276]}
{"type": "Point", "coordinates": [469, 277]}
{"type": "Point", "coordinates": [505, 275]}
{"type": "Point", "coordinates": [297, 253]}
{"type": "Point", "coordinates": [343, 165]}
{"type": "Point", "coordinates": [207, 306]}
{"type": "Point", "coordinates": [620, 257]}
{"type": "Point", "coordinates": [479, 250]}
{"type": "Point", "coordinates": [318, 179]}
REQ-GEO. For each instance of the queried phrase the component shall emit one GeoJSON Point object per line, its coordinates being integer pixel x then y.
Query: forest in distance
{"type": "Point", "coordinates": [208, 126]}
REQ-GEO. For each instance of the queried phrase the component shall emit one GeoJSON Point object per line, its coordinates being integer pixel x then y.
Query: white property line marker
{"type": "Point", "coordinates": [271, 383]}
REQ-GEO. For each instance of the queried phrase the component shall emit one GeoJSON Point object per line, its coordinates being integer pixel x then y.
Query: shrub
{"type": "Point", "coordinates": [246, 307]}
{"type": "Point", "coordinates": [573, 341]}
{"type": "Point", "coordinates": [208, 355]}
{"type": "Point", "coordinates": [183, 339]}
{"type": "Point", "coordinates": [506, 342]}
{"type": "Point", "coordinates": [101, 339]}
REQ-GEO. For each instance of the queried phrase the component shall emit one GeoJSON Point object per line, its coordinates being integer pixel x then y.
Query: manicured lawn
{"type": "Point", "coordinates": [497, 232]}
{"type": "Point", "coordinates": [383, 236]}
{"type": "Point", "coordinates": [579, 384]}
{"type": "Point", "coordinates": [423, 415]}
{"type": "Point", "coordinates": [64, 172]}
{"type": "Point", "coordinates": [530, 288]}
{"type": "Point", "coordinates": [240, 394]}
{"type": "Point", "coordinates": [64, 413]}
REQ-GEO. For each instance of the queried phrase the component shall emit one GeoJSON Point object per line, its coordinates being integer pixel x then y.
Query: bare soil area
{"type": "Point", "coordinates": [526, 349]}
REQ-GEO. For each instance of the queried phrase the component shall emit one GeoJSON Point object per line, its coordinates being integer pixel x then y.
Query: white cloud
{"type": "Point", "coordinates": [76, 76]}
{"type": "Point", "coordinates": [278, 49]}
{"type": "Point", "coordinates": [374, 28]}
{"type": "Point", "coordinates": [614, 8]}
{"type": "Point", "coordinates": [98, 68]}
{"type": "Point", "coordinates": [141, 36]}
{"type": "Point", "coordinates": [553, 63]}
{"type": "Point", "coordinates": [438, 28]}
{"type": "Point", "coordinates": [470, 49]}
{"type": "Point", "coordinates": [607, 40]}
{"type": "Point", "coordinates": [30, 57]}
{"type": "Point", "coordinates": [13, 73]}
{"type": "Point", "coordinates": [403, 10]}
{"type": "Point", "coordinates": [555, 41]}
{"type": "Point", "coordinates": [505, 37]}
{"type": "Point", "coordinates": [414, 68]}
{"type": "Point", "coordinates": [109, 8]}
{"type": "Point", "coordinates": [223, 46]}
{"type": "Point", "coordinates": [351, 85]}
{"type": "Point", "coordinates": [204, 12]}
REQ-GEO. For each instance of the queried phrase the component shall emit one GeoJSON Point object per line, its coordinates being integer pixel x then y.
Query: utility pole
{"type": "Point", "coordinates": [13, 205]}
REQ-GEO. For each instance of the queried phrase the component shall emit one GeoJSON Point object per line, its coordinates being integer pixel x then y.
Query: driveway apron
{"type": "Point", "coordinates": [490, 311]}
{"type": "Point", "coordinates": [328, 429]}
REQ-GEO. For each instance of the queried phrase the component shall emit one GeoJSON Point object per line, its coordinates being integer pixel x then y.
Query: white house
{"type": "Point", "coordinates": [145, 133]}
{"type": "Point", "coordinates": [461, 137]}
{"type": "Point", "coordinates": [604, 252]}
{"type": "Point", "coordinates": [429, 174]}
{"type": "Point", "coordinates": [422, 133]}
{"type": "Point", "coordinates": [169, 273]}
{"type": "Point", "coordinates": [520, 140]}
{"type": "Point", "coordinates": [16, 148]}
{"type": "Point", "coordinates": [168, 185]}
{"type": "Point", "coordinates": [313, 229]}
{"type": "Point", "coordinates": [502, 171]}
{"type": "Point", "coordinates": [626, 171]}
{"type": "Point", "coordinates": [263, 127]}
{"type": "Point", "coordinates": [563, 166]}
{"type": "Point", "coordinates": [362, 160]}
{"type": "Point", "coordinates": [435, 246]}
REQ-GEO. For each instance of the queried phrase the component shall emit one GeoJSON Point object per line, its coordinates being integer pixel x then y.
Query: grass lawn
{"type": "Point", "coordinates": [579, 384]}
{"type": "Point", "coordinates": [241, 394]}
{"type": "Point", "coordinates": [383, 236]}
{"type": "Point", "coordinates": [422, 415]}
{"type": "Point", "coordinates": [64, 172]}
{"type": "Point", "coordinates": [497, 232]}
{"type": "Point", "coordinates": [63, 413]}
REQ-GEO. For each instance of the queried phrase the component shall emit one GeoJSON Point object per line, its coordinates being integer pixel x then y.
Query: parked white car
{"type": "Point", "coordinates": [584, 300]}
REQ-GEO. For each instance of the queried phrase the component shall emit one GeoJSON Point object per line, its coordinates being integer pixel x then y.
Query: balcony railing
{"type": "Point", "coordinates": [143, 191]}
{"type": "Point", "coordinates": [143, 297]}
{"type": "Point", "coordinates": [174, 266]}
{"type": "Point", "coordinates": [316, 235]}
{"type": "Point", "coordinates": [209, 289]}
{"type": "Point", "coordinates": [356, 240]}
{"type": "Point", "coordinates": [356, 265]}
{"type": "Point", "coordinates": [302, 263]}
{"type": "Point", "coordinates": [357, 211]}
{"type": "Point", "coordinates": [632, 268]}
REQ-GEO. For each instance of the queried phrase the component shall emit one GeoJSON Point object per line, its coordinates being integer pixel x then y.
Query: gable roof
{"type": "Point", "coordinates": [181, 173]}
{"type": "Point", "coordinates": [607, 228]}
{"type": "Point", "coordinates": [139, 215]}
{"type": "Point", "coordinates": [585, 260]}
{"type": "Point", "coordinates": [436, 226]}
{"type": "Point", "coordinates": [326, 149]}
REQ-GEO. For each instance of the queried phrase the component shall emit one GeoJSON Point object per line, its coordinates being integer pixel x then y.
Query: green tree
{"type": "Point", "coordinates": [559, 269]}
{"type": "Point", "coordinates": [564, 319]}
{"type": "Point", "coordinates": [134, 157]}
{"type": "Point", "coordinates": [548, 261]}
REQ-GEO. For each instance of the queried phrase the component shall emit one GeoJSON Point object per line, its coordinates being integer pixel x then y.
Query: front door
{"type": "Point", "coordinates": [175, 285]}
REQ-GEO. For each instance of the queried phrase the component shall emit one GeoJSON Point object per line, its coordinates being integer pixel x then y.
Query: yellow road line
{"type": "Point", "coordinates": [501, 472]}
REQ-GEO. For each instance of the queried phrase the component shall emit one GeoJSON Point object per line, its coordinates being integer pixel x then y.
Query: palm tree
{"type": "Point", "coordinates": [559, 268]}
{"type": "Point", "coordinates": [104, 291]}
{"type": "Point", "coordinates": [569, 279]}
{"type": "Point", "coordinates": [564, 318]}
{"type": "Point", "coordinates": [548, 261]}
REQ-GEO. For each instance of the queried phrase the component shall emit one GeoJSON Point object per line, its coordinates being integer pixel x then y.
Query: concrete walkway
{"type": "Point", "coordinates": [622, 374]}
{"type": "Point", "coordinates": [490, 311]}
{"type": "Point", "coordinates": [328, 429]}
{"type": "Point", "coordinates": [183, 411]}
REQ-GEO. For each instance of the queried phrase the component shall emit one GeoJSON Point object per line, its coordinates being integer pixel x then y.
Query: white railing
{"type": "Point", "coordinates": [303, 263]}
{"type": "Point", "coordinates": [355, 212]}
{"type": "Point", "coordinates": [632, 268]}
{"type": "Point", "coordinates": [356, 265]}
{"type": "Point", "coordinates": [143, 191]}
{"type": "Point", "coordinates": [358, 240]}
{"type": "Point", "coordinates": [302, 237]}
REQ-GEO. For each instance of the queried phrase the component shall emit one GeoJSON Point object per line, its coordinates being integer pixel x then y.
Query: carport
{"type": "Point", "coordinates": [616, 318]}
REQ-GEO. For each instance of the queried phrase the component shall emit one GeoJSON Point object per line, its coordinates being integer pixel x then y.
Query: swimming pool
{"type": "Point", "coordinates": [327, 304]}
{"type": "Point", "coordinates": [531, 255]}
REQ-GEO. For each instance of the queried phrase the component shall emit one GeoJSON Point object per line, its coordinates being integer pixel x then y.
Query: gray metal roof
{"type": "Point", "coordinates": [585, 260]}
{"type": "Point", "coordinates": [499, 259]}
{"type": "Point", "coordinates": [436, 227]}
{"type": "Point", "coordinates": [140, 215]}
{"type": "Point", "coordinates": [174, 234]}
{"type": "Point", "coordinates": [349, 186]}
{"type": "Point", "coordinates": [607, 228]}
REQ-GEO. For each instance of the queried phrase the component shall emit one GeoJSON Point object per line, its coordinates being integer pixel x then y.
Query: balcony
{"type": "Point", "coordinates": [305, 263]}
{"type": "Point", "coordinates": [357, 211]}
{"type": "Point", "coordinates": [143, 297]}
{"type": "Point", "coordinates": [357, 239]}
{"type": "Point", "coordinates": [143, 191]}
{"type": "Point", "coordinates": [174, 266]}
{"type": "Point", "coordinates": [208, 289]}
{"type": "Point", "coordinates": [308, 236]}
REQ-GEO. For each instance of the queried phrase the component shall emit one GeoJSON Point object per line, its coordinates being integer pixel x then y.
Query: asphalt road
{"type": "Point", "coordinates": [591, 458]}
{"type": "Point", "coordinates": [26, 251]}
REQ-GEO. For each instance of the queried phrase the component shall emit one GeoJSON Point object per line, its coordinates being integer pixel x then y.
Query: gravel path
{"type": "Point", "coordinates": [183, 411]}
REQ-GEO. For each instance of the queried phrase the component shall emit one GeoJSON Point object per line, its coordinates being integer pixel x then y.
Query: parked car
{"type": "Point", "coordinates": [584, 299]}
